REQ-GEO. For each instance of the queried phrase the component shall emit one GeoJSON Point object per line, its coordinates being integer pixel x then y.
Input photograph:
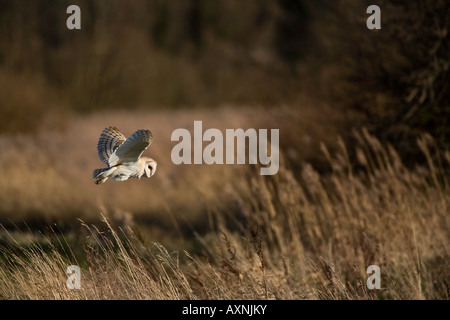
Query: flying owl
{"type": "Point", "coordinates": [123, 156]}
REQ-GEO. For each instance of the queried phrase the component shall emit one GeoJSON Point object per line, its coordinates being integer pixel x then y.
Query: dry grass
{"type": "Point", "coordinates": [296, 235]}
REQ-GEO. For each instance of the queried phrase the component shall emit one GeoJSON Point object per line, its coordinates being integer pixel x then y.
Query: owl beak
{"type": "Point", "coordinates": [153, 169]}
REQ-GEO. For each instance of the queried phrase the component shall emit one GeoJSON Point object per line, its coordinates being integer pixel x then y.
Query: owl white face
{"type": "Point", "coordinates": [150, 167]}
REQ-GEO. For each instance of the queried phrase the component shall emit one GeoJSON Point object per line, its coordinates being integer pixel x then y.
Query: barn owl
{"type": "Point", "coordinates": [123, 156]}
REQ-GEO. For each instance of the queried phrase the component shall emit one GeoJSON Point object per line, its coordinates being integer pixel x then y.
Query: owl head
{"type": "Point", "coordinates": [149, 167]}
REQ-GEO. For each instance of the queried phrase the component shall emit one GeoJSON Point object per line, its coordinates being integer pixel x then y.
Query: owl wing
{"type": "Point", "coordinates": [110, 139]}
{"type": "Point", "coordinates": [132, 148]}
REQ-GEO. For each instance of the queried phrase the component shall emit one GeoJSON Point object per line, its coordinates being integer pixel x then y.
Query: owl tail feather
{"type": "Point", "coordinates": [98, 175]}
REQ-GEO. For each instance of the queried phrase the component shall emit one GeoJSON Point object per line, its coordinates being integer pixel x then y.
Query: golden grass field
{"type": "Point", "coordinates": [223, 232]}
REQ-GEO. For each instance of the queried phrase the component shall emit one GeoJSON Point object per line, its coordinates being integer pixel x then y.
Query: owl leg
{"type": "Point", "coordinates": [101, 175]}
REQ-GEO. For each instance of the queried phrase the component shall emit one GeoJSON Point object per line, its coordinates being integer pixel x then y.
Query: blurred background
{"type": "Point", "coordinates": [310, 68]}
{"type": "Point", "coordinates": [189, 54]}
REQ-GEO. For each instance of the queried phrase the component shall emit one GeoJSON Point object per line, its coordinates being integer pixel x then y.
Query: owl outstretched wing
{"type": "Point", "coordinates": [132, 148]}
{"type": "Point", "coordinates": [110, 139]}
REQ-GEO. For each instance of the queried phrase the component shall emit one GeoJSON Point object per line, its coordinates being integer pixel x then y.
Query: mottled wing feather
{"type": "Point", "coordinates": [132, 148]}
{"type": "Point", "coordinates": [109, 141]}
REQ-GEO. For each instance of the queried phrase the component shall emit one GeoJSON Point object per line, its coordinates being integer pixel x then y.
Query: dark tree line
{"type": "Point", "coordinates": [201, 52]}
